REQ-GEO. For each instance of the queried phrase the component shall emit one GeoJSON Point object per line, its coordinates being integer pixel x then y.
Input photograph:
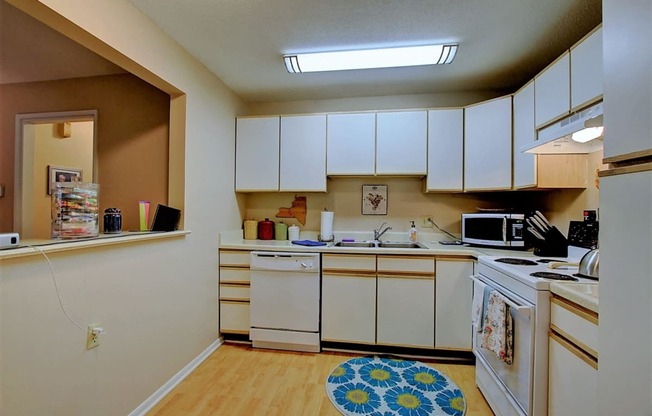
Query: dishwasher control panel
{"type": "Point", "coordinates": [278, 261]}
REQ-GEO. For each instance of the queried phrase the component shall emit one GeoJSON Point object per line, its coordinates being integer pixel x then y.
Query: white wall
{"type": "Point", "coordinates": [157, 301]}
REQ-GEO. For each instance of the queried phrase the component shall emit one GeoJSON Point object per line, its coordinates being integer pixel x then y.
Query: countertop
{"type": "Point", "coordinates": [234, 240]}
{"type": "Point", "coordinates": [583, 294]}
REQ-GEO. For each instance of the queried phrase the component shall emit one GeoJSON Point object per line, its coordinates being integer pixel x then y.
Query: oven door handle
{"type": "Point", "coordinates": [523, 310]}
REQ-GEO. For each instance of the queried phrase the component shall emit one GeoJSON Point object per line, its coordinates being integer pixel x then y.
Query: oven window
{"type": "Point", "coordinates": [489, 229]}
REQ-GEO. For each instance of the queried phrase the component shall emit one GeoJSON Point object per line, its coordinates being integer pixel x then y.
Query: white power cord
{"type": "Point", "coordinates": [94, 331]}
{"type": "Point", "coordinates": [442, 230]}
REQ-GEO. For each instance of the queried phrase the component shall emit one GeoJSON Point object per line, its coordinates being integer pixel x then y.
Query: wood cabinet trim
{"type": "Point", "coordinates": [574, 341]}
{"type": "Point", "coordinates": [235, 302]}
{"type": "Point", "coordinates": [621, 170]}
{"type": "Point", "coordinates": [406, 256]}
{"type": "Point", "coordinates": [578, 310]}
{"type": "Point", "coordinates": [453, 257]}
{"type": "Point", "coordinates": [348, 273]}
{"type": "Point", "coordinates": [574, 350]}
{"type": "Point", "coordinates": [406, 275]}
{"type": "Point", "coordinates": [238, 285]}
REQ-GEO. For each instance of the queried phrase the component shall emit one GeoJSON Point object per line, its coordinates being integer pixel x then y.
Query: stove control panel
{"type": "Point", "coordinates": [583, 234]}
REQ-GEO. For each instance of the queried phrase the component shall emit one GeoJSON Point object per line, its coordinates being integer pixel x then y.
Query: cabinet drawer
{"type": "Point", "coordinates": [234, 258]}
{"type": "Point", "coordinates": [349, 262]}
{"type": "Point", "coordinates": [576, 324]}
{"type": "Point", "coordinates": [402, 265]}
{"type": "Point", "coordinates": [234, 292]}
{"type": "Point", "coordinates": [234, 317]}
{"type": "Point", "coordinates": [235, 275]}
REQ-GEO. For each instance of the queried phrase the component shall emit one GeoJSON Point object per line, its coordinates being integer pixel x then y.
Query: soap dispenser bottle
{"type": "Point", "coordinates": [413, 232]}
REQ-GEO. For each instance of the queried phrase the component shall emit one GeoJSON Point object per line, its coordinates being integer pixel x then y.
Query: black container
{"type": "Point", "coordinates": [112, 221]}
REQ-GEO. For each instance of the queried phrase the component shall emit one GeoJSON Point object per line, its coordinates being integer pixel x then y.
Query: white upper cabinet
{"type": "Point", "coordinates": [586, 70]}
{"type": "Point", "coordinates": [351, 144]}
{"type": "Point", "coordinates": [524, 133]}
{"type": "Point", "coordinates": [627, 80]}
{"type": "Point", "coordinates": [303, 153]}
{"type": "Point", "coordinates": [401, 143]}
{"type": "Point", "coordinates": [488, 145]}
{"type": "Point", "coordinates": [257, 154]}
{"type": "Point", "coordinates": [552, 91]}
{"type": "Point", "coordinates": [445, 150]}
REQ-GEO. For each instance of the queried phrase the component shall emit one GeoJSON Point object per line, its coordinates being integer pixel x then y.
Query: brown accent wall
{"type": "Point", "coordinates": [133, 132]}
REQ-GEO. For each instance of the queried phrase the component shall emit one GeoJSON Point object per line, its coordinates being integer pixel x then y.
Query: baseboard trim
{"type": "Point", "coordinates": [159, 394]}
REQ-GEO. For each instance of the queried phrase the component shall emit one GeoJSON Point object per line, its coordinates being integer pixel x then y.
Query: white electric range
{"type": "Point", "coordinates": [521, 388]}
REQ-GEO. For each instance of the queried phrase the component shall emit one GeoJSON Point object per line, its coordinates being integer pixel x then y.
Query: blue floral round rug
{"type": "Point", "coordinates": [385, 386]}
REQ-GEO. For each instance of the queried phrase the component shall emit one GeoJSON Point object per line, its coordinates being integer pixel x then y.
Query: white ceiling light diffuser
{"type": "Point", "coordinates": [370, 58]}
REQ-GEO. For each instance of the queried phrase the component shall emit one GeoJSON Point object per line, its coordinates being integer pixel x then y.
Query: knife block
{"type": "Point", "coordinates": [554, 245]}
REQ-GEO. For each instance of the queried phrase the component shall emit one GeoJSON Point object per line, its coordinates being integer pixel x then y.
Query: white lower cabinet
{"type": "Point", "coordinates": [348, 308]}
{"type": "Point", "coordinates": [348, 298]}
{"type": "Point", "coordinates": [453, 303]}
{"type": "Point", "coordinates": [406, 311]}
{"type": "Point", "coordinates": [572, 383]}
{"type": "Point", "coordinates": [235, 278]}
{"type": "Point", "coordinates": [573, 360]}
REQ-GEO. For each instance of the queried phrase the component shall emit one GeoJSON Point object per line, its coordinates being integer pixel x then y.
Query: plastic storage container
{"type": "Point", "coordinates": [75, 210]}
{"type": "Point", "coordinates": [112, 221]}
{"type": "Point", "coordinates": [266, 229]}
{"type": "Point", "coordinates": [281, 231]}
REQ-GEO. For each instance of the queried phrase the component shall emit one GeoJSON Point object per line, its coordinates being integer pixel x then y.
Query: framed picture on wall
{"type": "Point", "coordinates": [374, 199]}
{"type": "Point", "coordinates": [60, 174]}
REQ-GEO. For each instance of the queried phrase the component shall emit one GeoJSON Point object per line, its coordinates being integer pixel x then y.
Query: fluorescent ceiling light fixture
{"type": "Point", "coordinates": [587, 134]}
{"type": "Point", "coordinates": [370, 58]}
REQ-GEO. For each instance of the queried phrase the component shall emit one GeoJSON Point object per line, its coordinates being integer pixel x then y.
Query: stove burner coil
{"type": "Point", "coordinates": [553, 276]}
{"type": "Point", "coordinates": [518, 262]}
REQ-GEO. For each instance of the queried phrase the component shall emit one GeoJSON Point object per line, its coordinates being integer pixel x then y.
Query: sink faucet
{"type": "Point", "coordinates": [379, 232]}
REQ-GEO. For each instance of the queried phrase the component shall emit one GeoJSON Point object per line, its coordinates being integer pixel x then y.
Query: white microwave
{"type": "Point", "coordinates": [494, 229]}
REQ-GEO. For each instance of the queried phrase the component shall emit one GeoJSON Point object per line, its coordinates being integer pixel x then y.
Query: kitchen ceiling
{"type": "Point", "coordinates": [503, 43]}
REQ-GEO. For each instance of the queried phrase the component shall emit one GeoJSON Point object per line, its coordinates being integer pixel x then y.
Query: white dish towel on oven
{"type": "Point", "coordinates": [497, 331]}
{"type": "Point", "coordinates": [478, 304]}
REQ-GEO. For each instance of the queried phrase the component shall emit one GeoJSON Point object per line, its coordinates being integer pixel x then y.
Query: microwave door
{"type": "Point", "coordinates": [484, 230]}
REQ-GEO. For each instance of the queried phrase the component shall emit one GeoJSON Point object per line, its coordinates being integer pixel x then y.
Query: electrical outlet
{"type": "Point", "coordinates": [92, 340]}
{"type": "Point", "coordinates": [424, 221]}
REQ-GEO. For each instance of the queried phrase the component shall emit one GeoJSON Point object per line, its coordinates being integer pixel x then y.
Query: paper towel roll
{"type": "Point", "coordinates": [326, 231]}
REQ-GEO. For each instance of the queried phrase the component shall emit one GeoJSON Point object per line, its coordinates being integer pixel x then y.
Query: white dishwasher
{"type": "Point", "coordinates": [284, 308]}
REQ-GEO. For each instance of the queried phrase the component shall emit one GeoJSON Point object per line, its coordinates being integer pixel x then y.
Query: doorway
{"type": "Point", "coordinates": [60, 142]}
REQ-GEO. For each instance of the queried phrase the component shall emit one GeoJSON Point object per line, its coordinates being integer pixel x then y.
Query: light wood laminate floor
{"type": "Point", "coordinates": [239, 380]}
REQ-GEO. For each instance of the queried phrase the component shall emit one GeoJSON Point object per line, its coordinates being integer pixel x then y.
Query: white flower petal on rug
{"type": "Point", "coordinates": [384, 386]}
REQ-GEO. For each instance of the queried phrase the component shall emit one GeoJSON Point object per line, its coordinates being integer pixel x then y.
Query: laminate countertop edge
{"type": "Point", "coordinates": [27, 247]}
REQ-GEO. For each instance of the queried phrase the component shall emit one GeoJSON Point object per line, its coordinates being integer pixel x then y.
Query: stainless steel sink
{"type": "Point", "coordinates": [355, 244]}
{"type": "Point", "coordinates": [384, 244]}
{"type": "Point", "coordinates": [401, 244]}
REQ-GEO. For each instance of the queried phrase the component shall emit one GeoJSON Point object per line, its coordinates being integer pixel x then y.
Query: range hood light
{"type": "Point", "coordinates": [587, 134]}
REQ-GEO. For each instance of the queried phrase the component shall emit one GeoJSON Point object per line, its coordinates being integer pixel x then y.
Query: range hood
{"type": "Point", "coordinates": [557, 137]}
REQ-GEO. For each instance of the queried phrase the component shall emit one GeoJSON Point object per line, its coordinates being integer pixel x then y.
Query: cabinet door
{"type": "Point", "coordinates": [445, 150]}
{"type": "Point", "coordinates": [572, 382]}
{"type": "Point", "coordinates": [401, 143]}
{"type": "Point", "coordinates": [257, 154]}
{"type": "Point", "coordinates": [586, 71]}
{"type": "Point", "coordinates": [627, 80]}
{"type": "Point", "coordinates": [348, 308]}
{"type": "Point", "coordinates": [488, 145]}
{"type": "Point", "coordinates": [406, 310]}
{"type": "Point", "coordinates": [453, 300]}
{"type": "Point", "coordinates": [303, 153]}
{"type": "Point", "coordinates": [552, 91]}
{"type": "Point", "coordinates": [351, 144]}
{"type": "Point", "coordinates": [524, 134]}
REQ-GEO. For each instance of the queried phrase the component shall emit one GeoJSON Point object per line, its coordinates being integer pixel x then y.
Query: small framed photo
{"type": "Point", "coordinates": [374, 199]}
{"type": "Point", "coordinates": [60, 174]}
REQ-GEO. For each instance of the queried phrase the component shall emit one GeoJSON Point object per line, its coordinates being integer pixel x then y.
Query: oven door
{"type": "Point", "coordinates": [516, 378]}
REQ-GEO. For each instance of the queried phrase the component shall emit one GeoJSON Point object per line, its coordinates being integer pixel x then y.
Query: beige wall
{"type": "Point", "coordinates": [157, 300]}
{"type": "Point", "coordinates": [50, 149]}
{"type": "Point", "coordinates": [406, 201]}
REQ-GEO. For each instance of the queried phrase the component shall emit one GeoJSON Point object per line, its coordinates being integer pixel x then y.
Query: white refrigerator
{"type": "Point", "coordinates": [625, 316]}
